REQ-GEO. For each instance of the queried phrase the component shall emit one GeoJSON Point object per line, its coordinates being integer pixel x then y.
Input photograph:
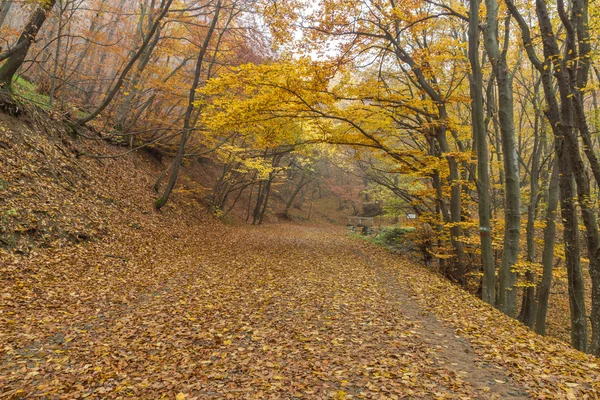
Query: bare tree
{"type": "Point", "coordinates": [164, 7]}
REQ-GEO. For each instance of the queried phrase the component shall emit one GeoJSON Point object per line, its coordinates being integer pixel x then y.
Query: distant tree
{"type": "Point", "coordinates": [142, 49]}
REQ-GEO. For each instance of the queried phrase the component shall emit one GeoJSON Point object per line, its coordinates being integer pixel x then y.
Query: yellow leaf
{"type": "Point", "coordinates": [340, 395]}
{"type": "Point", "coordinates": [180, 396]}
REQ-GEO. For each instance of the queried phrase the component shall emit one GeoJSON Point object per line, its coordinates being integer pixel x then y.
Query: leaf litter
{"type": "Point", "coordinates": [175, 305]}
{"type": "Point", "coordinates": [283, 311]}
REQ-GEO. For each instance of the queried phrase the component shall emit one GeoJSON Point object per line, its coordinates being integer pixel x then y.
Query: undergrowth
{"type": "Point", "coordinates": [29, 91]}
{"type": "Point", "coordinates": [395, 238]}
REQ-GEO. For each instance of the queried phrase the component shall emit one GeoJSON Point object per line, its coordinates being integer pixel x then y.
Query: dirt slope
{"type": "Point", "coordinates": [50, 197]}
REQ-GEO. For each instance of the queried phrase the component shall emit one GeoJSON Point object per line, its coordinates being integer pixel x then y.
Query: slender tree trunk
{"type": "Point", "coordinates": [543, 294]}
{"type": "Point", "coordinates": [259, 200]}
{"type": "Point", "coordinates": [483, 173]}
{"type": "Point", "coordinates": [249, 206]}
{"type": "Point", "coordinates": [290, 201]}
{"type": "Point", "coordinates": [579, 69]}
{"type": "Point", "coordinates": [166, 4]}
{"type": "Point", "coordinates": [527, 315]}
{"type": "Point", "coordinates": [59, 35]}
{"type": "Point", "coordinates": [156, 185]}
{"type": "Point", "coordinates": [236, 199]}
{"type": "Point", "coordinates": [131, 88]}
{"type": "Point", "coordinates": [458, 274]}
{"type": "Point", "coordinates": [161, 201]}
{"type": "Point", "coordinates": [566, 74]}
{"type": "Point", "coordinates": [93, 31]}
{"type": "Point", "coordinates": [507, 296]}
{"type": "Point", "coordinates": [261, 215]}
{"type": "Point", "coordinates": [573, 256]}
{"type": "Point", "coordinates": [528, 304]}
{"type": "Point", "coordinates": [102, 62]}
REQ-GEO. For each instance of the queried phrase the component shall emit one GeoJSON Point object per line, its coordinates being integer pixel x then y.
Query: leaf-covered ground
{"type": "Point", "coordinates": [102, 297]}
{"type": "Point", "coordinates": [284, 311]}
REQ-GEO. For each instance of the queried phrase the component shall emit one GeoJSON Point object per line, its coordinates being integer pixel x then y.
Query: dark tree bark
{"type": "Point", "coordinates": [59, 37]}
{"type": "Point", "coordinates": [15, 60]}
{"type": "Point", "coordinates": [569, 160]}
{"type": "Point", "coordinates": [579, 69]}
{"type": "Point", "coordinates": [528, 305]}
{"type": "Point", "coordinates": [543, 294]}
{"type": "Point", "coordinates": [290, 202]}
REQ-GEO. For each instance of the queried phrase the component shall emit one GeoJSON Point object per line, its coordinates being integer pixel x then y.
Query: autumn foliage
{"type": "Point", "coordinates": [131, 131]}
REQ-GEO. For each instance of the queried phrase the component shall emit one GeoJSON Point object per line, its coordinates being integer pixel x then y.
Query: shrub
{"type": "Point", "coordinates": [393, 235]}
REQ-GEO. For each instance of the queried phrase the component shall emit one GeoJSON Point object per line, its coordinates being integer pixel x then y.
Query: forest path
{"type": "Point", "coordinates": [281, 312]}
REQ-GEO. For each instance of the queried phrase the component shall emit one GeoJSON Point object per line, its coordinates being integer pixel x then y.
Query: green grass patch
{"type": "Point", "coordinates": [395, 238]}
{"type": "Point", "coordinates": [392, 236]}
{"type": "Point", "coordinates": [28, 91]}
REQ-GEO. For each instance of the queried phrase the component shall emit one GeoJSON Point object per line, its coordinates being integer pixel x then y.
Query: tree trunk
{"type": "Point", "coordinates": [455, 216]}
{"type": "Point", "coordinates": [567, 152]}
{"type": "Point", "coordinates": [458, 273]}
{"type": "Point", "coordinates": [14, 62]}
{"type": "Point", "coordinates": [543, 294]}
{"type": "Point", "coordinates": [261, 215]}
{"type": "Point", "coordinates": [573, 256]}
{"type": "Point", "coordinates": [56, 53]}
{"type": "Point", "coordinates": [579, 69]}
{"type": "Point", "coordinates": [290, 201]}
{"type": "Point", "coordinates": [102, 62]}
{"type": "Point", "coordinates": [259, 201]}
{"type": "Point", "coordinates": [507, 296]}
{"type": "Point", "coordinates": [161, 201]}
{"type": "Point", "coordinates": [131, 88]}
{"type": "Point", "coordinates": [4, 9]}
{"type": "Point", "coordinates": [527, 315]}
{"type": "Point", "coordinates": [483, 173]}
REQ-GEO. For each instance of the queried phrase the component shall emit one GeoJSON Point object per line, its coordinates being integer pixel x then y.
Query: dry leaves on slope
{"type": "Point", "coordinates": [546, 367]}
